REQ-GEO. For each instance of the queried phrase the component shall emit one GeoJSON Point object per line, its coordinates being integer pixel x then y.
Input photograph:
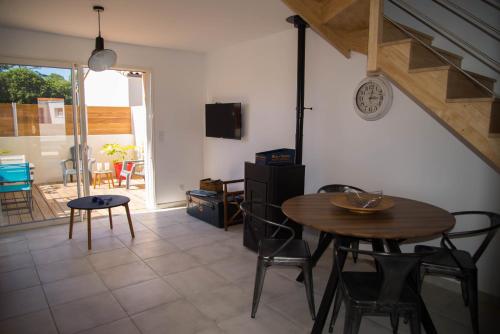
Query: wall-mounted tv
{"type": "Point", "coordinates": [223, 120]}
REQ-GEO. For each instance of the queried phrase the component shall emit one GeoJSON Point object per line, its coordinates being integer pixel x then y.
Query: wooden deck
{"type": "Point", "coordinates": [49, 201]}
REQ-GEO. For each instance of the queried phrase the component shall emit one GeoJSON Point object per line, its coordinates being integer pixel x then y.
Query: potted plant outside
{"type": "Point", "coordinates": [119, 153]}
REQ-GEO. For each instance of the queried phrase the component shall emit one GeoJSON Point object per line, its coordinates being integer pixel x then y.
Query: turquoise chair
{"type": "Point", "coordinates": [16, 178]}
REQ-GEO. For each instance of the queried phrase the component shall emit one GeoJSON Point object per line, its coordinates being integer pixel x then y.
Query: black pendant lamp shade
{"type": "Point", "coordinates": [101, 59]}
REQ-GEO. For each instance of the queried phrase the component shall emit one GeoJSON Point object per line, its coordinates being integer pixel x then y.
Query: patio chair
{"type": "Point", "coordinates": [69, 170]}
{"type": "Point", "coordinates": [460, 264]}
{"type": "Point", "coordinates": [16, 178]}
{"type": "Point", "coordinates": [137, 168]}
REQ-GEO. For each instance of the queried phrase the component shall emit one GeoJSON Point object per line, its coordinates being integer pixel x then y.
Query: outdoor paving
{"type": "Point", "coordinates": [179, 275]}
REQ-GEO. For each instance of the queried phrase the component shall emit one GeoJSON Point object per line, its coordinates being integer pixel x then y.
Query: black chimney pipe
{"type": "Point", "coordinates": [301, 26]}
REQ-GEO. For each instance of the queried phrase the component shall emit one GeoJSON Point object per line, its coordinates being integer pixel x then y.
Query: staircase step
{"type": "Point", "coordinates": [423, 57]}
{"type": "Point", "coordinates": [351, 15]}
{"type": "Point", "coordinates": [392, 33]}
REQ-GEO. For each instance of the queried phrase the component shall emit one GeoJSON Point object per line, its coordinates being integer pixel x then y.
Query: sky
{"type": "Point", "coordinates": [64, 72]}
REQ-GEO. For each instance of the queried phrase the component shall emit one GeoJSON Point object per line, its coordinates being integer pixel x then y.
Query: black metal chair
{"type": "Point", "coordinates": [288, 252]}
{"type": "Point", "coordinates": [460, 264]}
{"type": "Point", "coordinates": [341, 188]}
{"type": "Point", "coordinates": [385, 292]}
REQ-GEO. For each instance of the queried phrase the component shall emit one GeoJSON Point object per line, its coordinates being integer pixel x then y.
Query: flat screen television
{"type": "Point", "coordinates": [223, 120]}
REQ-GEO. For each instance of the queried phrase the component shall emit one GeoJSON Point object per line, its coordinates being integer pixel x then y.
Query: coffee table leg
{"type": "Point", "coordinates": [71, 220]}
{"type": "Point", "coordinates": [110, 219]}
{"type": "Point", "coordinates": [331, 287]}
{"type": "Point", "coordinates": [89, 237]}
{"type": "Point", "coordinates": [324, 242]}
{"type": "Point", "coordinates": [129, 221]}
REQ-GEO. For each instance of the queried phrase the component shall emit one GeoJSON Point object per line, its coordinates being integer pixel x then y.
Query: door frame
{"type": "Point", "coordinates": [150, 159]}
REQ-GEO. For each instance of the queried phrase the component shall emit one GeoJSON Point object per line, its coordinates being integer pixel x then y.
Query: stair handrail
{"type": "Point", "coordinates": [492, 4]}
{"type": "Point", "coordinates": [467, 47]}
{"type": "Point", "coordinates": [472, 19]}
{"type": "Point", "coordinates": [430, 48]}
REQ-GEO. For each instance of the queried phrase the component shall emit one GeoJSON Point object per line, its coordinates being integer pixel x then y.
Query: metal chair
{"type": "Point", "coordinates": [16, 178]}
{"type": "Point", "coordinates": [341, 188]}
{"type": "Point", "coordinates": [385, 292]}
{"type": "Point", "coordinates": [233, 199]}
{"type": "Point", "coordinates": [137, 168]}
{"type": "Point", "coordinates": [287, 252]}
{"type": "Point", "coordinates": [68, 170]}
{"type": "Point", "coordinates": [460, 264]}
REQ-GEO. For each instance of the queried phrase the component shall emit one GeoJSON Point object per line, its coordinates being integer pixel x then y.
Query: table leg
{"type": "Point", "coordinates": [323, 243]}
{"type": "Point", "coordinates": [71, 221]}
{"type": "Point", "coordinates": [110, 219]}
{"type": "Point", "coordinates": [89, 237]}
{"type": "Point", "coordinates": [331, 287]}
{"type": "Point", "coordinates": [129, 221]}
{"type": "Point", "coordinates": [393, 246]}
{"type": "Point", "coordinates": [95, 181]}
{"type": "Point", "coordinates": [109, 180]}
{"type": "Point", "coordinates": [112, 179]}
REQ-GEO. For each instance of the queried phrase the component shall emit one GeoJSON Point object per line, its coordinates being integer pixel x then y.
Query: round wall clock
{"type": "Point", "coordinates": [373, 98]}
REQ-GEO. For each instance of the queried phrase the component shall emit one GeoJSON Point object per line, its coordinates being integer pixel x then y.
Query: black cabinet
{"type": "Point", "coordinates": [270, 184]}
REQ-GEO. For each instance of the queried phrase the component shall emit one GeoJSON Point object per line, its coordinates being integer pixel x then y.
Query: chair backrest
{"type": "Point", "coordinates": [395, 270]}
{"type": "Point", "coordinates": [489, 231]}
{"type": "Point", "coordinates": [73, 153]}
{"type": "Point", "coordinates": [337, 188]}
{"type": "Point", "coordinates": [250, 209]}
{"type": "Point", "coordinates": [15, 173]}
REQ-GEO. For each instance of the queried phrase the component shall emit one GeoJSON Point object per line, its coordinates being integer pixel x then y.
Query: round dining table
{"type": "Point", "coordinates": [407, 219]}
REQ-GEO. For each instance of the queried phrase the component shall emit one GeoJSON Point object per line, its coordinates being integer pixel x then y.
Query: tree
{"type": "Point", "coordinates": [24, 85]}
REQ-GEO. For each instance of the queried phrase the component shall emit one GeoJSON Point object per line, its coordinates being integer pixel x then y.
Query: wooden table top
{"type": "Point", "coordinates": [407, 219]}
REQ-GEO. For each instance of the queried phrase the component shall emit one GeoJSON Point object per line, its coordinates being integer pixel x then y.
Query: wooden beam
{"type": "Point", "coordinates": [374, 33]}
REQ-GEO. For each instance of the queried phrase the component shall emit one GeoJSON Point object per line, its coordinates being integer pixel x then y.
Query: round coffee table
{"type": "Point", "coordinates": [90, 203]}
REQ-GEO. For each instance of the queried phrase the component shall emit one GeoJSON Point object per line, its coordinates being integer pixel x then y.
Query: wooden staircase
{"type": "Point", "coordinates": [466, 109]}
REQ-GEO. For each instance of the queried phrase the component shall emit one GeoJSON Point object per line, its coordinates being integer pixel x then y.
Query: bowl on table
{"type": "Point", "coordinates": [362, 202]}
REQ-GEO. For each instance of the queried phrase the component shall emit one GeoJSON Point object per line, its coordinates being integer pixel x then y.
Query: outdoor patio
{"type": "Point", "coordinates": [49, 201]}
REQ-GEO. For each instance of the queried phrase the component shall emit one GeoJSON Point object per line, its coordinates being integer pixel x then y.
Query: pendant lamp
{"type": "Point", "coordinates": [101, 59]}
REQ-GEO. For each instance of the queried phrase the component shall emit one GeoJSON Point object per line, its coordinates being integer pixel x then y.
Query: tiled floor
{"type": "Point", "coordinates": [179, 275]}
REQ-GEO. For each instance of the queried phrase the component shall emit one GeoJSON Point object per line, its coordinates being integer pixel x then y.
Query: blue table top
{"type": "Point", "coordinates": [98, 202]}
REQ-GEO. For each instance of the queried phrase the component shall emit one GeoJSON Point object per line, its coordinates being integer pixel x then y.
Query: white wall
{"type": "Point", "coordinates": [106, 88]}
{"type": "Point", "coordinates": [177, 98]}
{"type": "Point", "coordinates": [407, 153]}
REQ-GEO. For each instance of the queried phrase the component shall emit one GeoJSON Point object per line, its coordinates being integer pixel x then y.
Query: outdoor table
{"type": "Point", "coordinates": [90, 203]}
{"type": "Point", "coordinates": [108, 174]}
{"type": "Point", "coordinates": [406, 220]}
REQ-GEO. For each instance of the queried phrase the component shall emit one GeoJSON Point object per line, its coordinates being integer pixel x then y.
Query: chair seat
{"type": "Point", "coordinates": [15, 187]}
{"type": "Point", "coordinates": [442, 258]}
{"type": "Point", "coordinates": [296, 249]}
{"type": "Point", "coordinates": [366, 286]}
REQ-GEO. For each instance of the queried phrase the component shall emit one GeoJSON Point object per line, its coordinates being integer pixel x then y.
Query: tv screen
{"type": "Point", "coordinates": [223, 120]}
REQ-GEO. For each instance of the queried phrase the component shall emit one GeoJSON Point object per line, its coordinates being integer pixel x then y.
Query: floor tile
{"type": "Point", "coordinates": [11, 237]}
{"type": "Point", "coordinates": [195, 280]}
{"type": "Point", "coordinates": [63, 269]}
{"type": "Point", "coordinates": [122, 326]}
{"type": "Point", "coordinates": [20, 302]}
{"type": "Point", "coordinates": [222, 303]}
{"type": "Point", "coordinates": [179, 317]}
{"type": "Point", "coordinates": [126, 274]}
{"type": "Point", "coordinates": [112, 258]}
{"type": "Point", "coordinates": [153, 248]}
{"type": "Point", "coordinates": [39, 322]}
{"type": "Point", "coordinates": [295, 307]}
{"type": "Point", "coordinates": [48, 241]}
{"type": "Point", "coordinates": [15, 247]}
{"type": "Point", "coordinates": [142, 296]}
{"type": "Point", "coordinates": [69, 289]}
{"type": "Point", "coordinates": [140, 237]}
{"type": "Point", "coordinates": [211, 253]}
{"type": "Point", "coordinates": [172, 231]}
{"type": "Point", "coordinates": [172, 263]}
{"type": "Point", "coordinates": [87, 313]}
{"type": "Point", "coordinates": [267, 321]}
{"type": "Point", "coordinates": [54, 254]}
{"type": "Point", "coordinates": [16, 261]}
{"type": "Point", "coordinates": [18, 279]}
{"type": "Point", "coordinates": [101, 244]}
{"type": "Point", "coordinates": [237, 268]}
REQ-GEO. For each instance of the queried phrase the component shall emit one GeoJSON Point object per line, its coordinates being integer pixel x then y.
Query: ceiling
{"type": "Point", "coordinates": [197, 25]}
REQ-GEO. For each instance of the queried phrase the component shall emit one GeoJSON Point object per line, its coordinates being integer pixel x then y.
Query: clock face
{"type": "Point", "coordinates": [373, 98]}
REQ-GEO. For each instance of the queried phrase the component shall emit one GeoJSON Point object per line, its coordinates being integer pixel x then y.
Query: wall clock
{"type": "Point", "coordinates": [373, 98]}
